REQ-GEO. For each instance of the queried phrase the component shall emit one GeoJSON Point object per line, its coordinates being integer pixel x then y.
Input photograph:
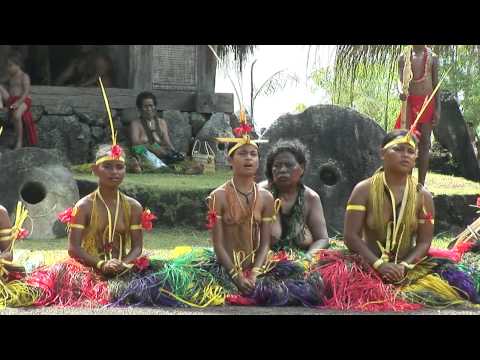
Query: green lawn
{"type": "Point", "coordinates": [172, 181]}
{"type": "Point", "coordinates": [160, 241]}
{"type": "Point", "coordinates": [437, 183]}
{"type": "Point", "coordinates": [440, 184]}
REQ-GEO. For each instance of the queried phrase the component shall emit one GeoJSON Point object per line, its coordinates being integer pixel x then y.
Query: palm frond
{"type": "Point", "coordinates": [276, 82]}
{"type": "Point", "coordinates": [350, 58]}
{"type": "Point", "coordinates": [240, 53]}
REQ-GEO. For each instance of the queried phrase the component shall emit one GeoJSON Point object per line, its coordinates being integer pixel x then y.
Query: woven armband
{"type": "Point", "coordinates": [100, 264]}
{"type": "Point", "coordinates": [376, 265]}
{"type": "Point", "coordinates": [352, 207]}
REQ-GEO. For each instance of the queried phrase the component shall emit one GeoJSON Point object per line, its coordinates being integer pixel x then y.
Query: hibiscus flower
{"type": "Point", "coordinates": [142, 263]}
{"type": "Point", "coordinates": [428, 216]}
{"type": "Point", "coordinates": [243, 129]}
{"type": "Point", "coordinates": [147, 218]}
{"type": "Point", "coordinates": [211, 219]}
{"type": "Point", "coordinates": [22, 234]}
{"type": "Point", "coordinates": [116, 151]}
{"type": "Point", "coordinates": [66, 216]}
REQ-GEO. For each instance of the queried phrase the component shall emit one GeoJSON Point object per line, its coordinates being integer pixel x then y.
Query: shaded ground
{"type": "Point", "coordinates": [220, 310]}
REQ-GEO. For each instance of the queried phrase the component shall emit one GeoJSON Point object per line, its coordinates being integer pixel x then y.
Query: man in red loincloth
{"type": "Point", "coordinates": [18, 102]}
{"type": "Point", "coordinates": [424, 66]}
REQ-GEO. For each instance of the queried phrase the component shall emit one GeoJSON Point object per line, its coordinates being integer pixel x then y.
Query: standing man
{"type": "Point", "coordinates": [418, 71]}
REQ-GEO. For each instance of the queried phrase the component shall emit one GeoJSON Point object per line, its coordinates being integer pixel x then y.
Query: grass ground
{"type": "Point", "coordinates": [437, 183]}
{"type": "Point", "coordinates": [172, 181]}
{"type": "Point", "coordinates": [160, 241]}
{"type": "Point", "coordinates": [440, 184]}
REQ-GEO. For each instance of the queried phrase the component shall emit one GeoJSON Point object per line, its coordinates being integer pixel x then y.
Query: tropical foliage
{"type": "Point", "coordinates": [376, 98]}
{"type": "Point", "coordinates": [364, 77]}
{"type": "Point", "coordinates": [238, 53]}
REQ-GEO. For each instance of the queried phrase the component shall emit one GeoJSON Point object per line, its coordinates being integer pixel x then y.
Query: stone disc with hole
{"type": "Point", "coordinates": [344, 149]}
{"type": "Point", "coordinates": [452, 134]}
{"type": "Point", "coordinates": [39, 179]}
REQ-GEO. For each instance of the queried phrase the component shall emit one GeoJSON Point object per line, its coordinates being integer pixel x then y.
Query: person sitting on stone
{"type": "Point", "coordinates": [301, 222]}
{"type": "Point", "coordinates": [149, 134]}
{"type": "Point", "coordinates": [16, 97]}
{"type": "Point", "coordinates": [85, 69]}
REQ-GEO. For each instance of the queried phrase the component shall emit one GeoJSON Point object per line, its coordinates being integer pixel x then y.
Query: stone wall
{"type": "Point", "coordinates": [78, 134]}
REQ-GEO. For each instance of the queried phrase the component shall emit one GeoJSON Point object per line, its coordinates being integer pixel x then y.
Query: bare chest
{"type": "Point", "coordinates": [105, 220]}
{"type": "Point", "coordinates": [153, 128]}
{"type": "Point", "coordinates": [15, 86]}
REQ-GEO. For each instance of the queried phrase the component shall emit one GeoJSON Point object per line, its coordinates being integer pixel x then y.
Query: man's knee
{"type": "Point", "coordinates": [17, 116]}
{"type": "Point", "coordinates": [19, 112]}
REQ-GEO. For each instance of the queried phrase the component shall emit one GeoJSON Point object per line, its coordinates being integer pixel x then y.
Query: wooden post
{"type": "Point", "coordinates": [207, 68]}
{"type": "Point", "coordinates": [140, 67]}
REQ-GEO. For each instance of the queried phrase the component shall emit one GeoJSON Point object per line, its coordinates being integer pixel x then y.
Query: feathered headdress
{"type": "Point", "coordinates": [116, 151]}
{"type": "Point", "coordinates": [242, 132]}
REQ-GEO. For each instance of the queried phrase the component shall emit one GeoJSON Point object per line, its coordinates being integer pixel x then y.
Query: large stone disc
{"type": "Point", "coordinates": [38, 178]}
{"type": "Point", "coordinates": [344, 149]}
{"type": "Point", "coordinates": [452, 134]}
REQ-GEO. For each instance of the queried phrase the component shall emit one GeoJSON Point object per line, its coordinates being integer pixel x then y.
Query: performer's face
{"type": "Point", "coordinates": [148, 109]}
{"type": "Point", "coordinates": [244, 160]}
{"type": "Point", "coordinates": [110, 173]}
{"type": "Point", "coordinates": [286, 170]}
{"type": "Point", "coordinates": [400, 158]}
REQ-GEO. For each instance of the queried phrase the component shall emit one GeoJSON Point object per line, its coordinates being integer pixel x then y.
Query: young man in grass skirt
{"type": "Point", "coordinates": [105, 239]}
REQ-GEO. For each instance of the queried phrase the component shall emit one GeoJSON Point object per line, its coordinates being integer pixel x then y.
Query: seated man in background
{"type": "Point", "coordinates": [149, 135]}
{"type": "Point", "coordinates": [16, 98]}
{"type": "Point", "coordinates": [85, 69]}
